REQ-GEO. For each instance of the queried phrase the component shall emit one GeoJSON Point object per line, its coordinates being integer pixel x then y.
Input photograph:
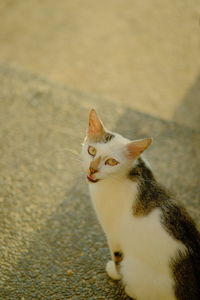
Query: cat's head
{"type": "Point", "coordinates": [107, 154]}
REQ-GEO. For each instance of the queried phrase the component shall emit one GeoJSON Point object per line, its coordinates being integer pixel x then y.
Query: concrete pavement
{"type": "Point", "coordinates": [137, 63]}
{"type": "Point", "coordinates": [144, 54]}
{"type": "Point", "coordinates": [52, 246]}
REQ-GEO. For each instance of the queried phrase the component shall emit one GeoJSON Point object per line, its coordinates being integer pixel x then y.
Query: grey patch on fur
{"type": "Point", "coordinates": [118, 256]}
{"type": "Point", "coordinates": [108, 137]}
{"type": "Point", "coordinates": [105, 138]}
{"type": "Point", "coordinates": [179, 224]}
{"type": "Point", "coordinates": [185, 267]}
{"type": "Point", "coordinates": [150, 193]}
{"type": "Point", "coordinates": [185, 270]}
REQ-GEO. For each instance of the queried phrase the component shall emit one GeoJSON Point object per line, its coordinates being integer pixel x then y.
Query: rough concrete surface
{"type": "Point", "coordinates": [143, 53]}
{"type": "Point", "coordinates": [52, 246]}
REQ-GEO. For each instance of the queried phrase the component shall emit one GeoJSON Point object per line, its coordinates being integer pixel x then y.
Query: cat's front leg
{"type": "Point", "coordinates": [112, 270]}
{"type": "Point", "coordinates": [112, 267]}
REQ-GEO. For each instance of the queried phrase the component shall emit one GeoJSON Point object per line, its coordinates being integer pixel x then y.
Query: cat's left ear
{"type": "Point", "coordinates": [95, 127]}
{"type": "Point", "coordinates": [135, 148]}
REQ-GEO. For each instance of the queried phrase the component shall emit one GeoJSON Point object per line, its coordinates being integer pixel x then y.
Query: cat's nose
{"type": "Point", "coordinates": [92, 170]}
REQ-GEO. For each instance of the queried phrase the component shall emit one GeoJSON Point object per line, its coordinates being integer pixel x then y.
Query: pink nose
{"type": "Point", "coordinates": [92, 171]}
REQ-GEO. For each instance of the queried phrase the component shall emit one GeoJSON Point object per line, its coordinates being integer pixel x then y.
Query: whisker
{"type": "Point", "coordinates": [74, 152]}
{"type": "Point", "coordinates": [76, 159]}
{"type": "Point", "coordinates": [70, 151]}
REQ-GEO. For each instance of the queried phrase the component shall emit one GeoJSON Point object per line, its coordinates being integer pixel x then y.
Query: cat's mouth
{"type": "Point", "coordinates": [92, 179]}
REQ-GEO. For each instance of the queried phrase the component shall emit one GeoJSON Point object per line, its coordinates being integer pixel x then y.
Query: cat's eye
{"type": "Point", "coordinates": [92, 151]}
{"type": "Point", "coordinates": [111, 162]}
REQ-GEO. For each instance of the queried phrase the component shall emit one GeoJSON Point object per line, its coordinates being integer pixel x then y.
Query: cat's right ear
{"type": "Point", "coordinates": [135, 148]}
{"type": "Point", "coordinates": [95, 126]}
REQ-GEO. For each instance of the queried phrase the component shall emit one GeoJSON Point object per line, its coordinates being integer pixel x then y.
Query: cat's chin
{"type": "Point", "coordinates": [90, 179]}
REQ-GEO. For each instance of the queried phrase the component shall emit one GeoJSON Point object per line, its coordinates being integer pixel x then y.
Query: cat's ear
{"type": "Point", "coordinates": [135, 148]}
{"type": "Point", "coordinates": [95, 127]}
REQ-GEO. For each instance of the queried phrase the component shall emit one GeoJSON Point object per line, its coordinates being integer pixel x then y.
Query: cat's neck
{"type": "Point", "coordinates": [130, 176]}
{"type": "Point", "coordinates": [141, 171]}
{"type": "Point", "coordinates": [113, 198]}
{"type": "Point", "coordinates": [137, 188]}
{"type": "Point", "coordinates": [151, 194]}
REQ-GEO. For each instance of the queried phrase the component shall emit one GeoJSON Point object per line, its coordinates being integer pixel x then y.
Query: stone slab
{"type": "Point", "coordinates": [143, 53]}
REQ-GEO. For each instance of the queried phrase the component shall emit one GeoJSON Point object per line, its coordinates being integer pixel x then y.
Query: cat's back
{"type": "Point", "coordinates": [148, 249]}
{"type": "Point", "coordinates": [162, 253]}
{"type": "Point", "coordinates": [184, 265]}
{"type": "Point", "coordinates": [164, 245]}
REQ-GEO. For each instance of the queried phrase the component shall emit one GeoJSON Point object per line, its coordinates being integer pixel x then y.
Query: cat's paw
{"type": "Point", "coordinates": [129, 293]}
{"type": "Point", "coordinates": [112, 271]}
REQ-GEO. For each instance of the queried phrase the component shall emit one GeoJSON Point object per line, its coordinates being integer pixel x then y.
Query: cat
{"type": "Point", "coordinates": [154, 244]}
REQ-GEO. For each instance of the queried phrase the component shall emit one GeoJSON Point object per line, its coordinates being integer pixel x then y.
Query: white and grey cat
{"type": "Point", "coordinates": [154, 244]}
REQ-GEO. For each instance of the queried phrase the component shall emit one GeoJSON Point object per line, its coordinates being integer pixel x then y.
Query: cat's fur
{"type": "Point", "coordinates": [154, 244]}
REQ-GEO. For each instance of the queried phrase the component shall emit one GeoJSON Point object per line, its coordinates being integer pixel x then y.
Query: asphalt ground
{"type": "Point", "coordinates": [52, 246]}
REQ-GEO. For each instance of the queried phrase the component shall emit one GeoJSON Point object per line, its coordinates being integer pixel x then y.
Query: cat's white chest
{"type": "Point", "coordinates": [143, 237]}
{"type": "Point", "coordinates": [111, 201]}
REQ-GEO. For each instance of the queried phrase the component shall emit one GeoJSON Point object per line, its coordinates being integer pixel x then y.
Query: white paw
{"type": "Point", "coordinates": [129, 292]}
{"type": "Point", "coordinates": [112, 271]}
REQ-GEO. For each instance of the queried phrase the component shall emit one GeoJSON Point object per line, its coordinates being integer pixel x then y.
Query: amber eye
{"type": "Point", "coordinates": [111, 162]}
{"type": "Point", "coordinates": [92, 151]}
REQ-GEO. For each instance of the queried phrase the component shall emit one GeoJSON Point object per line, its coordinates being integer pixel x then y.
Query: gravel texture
{"type": "Point", "coordinates": [52, 246]}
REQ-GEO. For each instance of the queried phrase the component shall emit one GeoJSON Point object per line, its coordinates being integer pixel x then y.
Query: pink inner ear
{"type": "Point", "coordinates": [135, 148]}
{"type": "Point", "coordinates": [95, 127]}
